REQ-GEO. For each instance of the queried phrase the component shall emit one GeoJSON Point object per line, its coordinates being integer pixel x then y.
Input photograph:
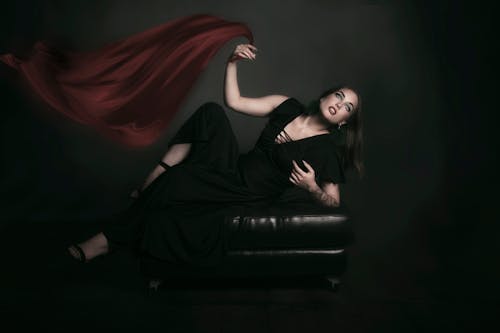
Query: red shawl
{"type": "Point", "coordinates": [129, 90]}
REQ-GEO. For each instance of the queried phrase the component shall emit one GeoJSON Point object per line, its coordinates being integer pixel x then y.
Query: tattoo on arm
{"type": "Point", "coordinates": [324, 198]}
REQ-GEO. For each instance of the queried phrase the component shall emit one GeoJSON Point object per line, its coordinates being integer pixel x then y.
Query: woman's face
{"type": "Point", "coordinates": [339, 106]}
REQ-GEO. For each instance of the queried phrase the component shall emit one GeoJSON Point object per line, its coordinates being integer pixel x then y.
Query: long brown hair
{"type": "Point", "coordinates": [352, 147]}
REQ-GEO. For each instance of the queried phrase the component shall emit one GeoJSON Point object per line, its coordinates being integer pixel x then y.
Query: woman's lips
{"type": "Point", "coordinates": [331, 109]}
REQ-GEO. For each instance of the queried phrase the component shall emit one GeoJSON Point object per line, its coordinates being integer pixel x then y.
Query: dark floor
{"type": "Point", "coordinates": [43, 288]}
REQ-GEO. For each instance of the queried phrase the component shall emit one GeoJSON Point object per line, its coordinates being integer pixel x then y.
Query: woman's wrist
{"type": "Point", "coordinates": [233, 59]}
{"type": "Point", "coordinates": [315, 188]}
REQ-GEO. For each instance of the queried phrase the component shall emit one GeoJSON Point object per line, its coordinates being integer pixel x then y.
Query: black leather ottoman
{"type": "Point", "coordinates": [287, 240]}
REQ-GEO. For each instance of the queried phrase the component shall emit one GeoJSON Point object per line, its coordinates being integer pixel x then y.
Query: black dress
{"type": "Point", "coordinates": [180, 216]}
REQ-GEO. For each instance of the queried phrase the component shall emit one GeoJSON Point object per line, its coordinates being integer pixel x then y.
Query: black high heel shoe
{"type": "Point", "coordinates": [81, 255]}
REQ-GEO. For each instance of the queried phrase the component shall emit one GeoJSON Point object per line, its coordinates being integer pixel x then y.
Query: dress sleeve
{"type": "Point", "coordinates": [331, 169]}
{"type": "Point", "coordinates": [286, 109]}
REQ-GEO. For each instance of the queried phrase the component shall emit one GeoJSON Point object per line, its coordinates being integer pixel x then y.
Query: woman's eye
{"type": "Point", "coordinates": [337, 94]}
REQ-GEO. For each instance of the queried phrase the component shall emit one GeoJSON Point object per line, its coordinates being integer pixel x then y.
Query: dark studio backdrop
{"type": "Point", "coordinates": [425, 223]}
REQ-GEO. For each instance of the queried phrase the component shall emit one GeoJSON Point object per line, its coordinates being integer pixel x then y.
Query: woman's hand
{"type": "Point", "coordinates": [306, 180]}
{"type": "Point", "coordinates": [243, 51]}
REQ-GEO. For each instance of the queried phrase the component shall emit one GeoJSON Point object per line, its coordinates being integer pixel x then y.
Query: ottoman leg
{"type": "Point", "coordinates": [334, 283]}
{"type": "Point", "coordinates": [154, 284]}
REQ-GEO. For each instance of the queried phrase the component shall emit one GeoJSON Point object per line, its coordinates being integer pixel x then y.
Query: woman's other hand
{"type": "Point", "coordinates": [306, 180]}
{"type": "Point", "coordinates": [241, 51]}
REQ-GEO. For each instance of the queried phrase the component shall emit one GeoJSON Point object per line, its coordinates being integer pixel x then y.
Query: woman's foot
{"type": "Point", "coordinates": [135, 194]}
{"type": "Point", "coordinates": [91, 248]}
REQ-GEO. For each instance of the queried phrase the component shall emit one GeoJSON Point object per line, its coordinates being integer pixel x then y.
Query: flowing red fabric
{"type": "Point", "coordinates": [129, 90]}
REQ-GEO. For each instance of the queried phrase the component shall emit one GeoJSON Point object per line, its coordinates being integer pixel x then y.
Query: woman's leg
{"type": "Point", "coordinates": [207, 128]}
{"type": "Point", "coordinates": [98, 244]}
{"type": "Point", "coordinates": [208, 125]}
{"type": "Point", "coordinates": [175, 154]}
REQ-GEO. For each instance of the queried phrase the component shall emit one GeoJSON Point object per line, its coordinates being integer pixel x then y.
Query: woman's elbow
{"type": "Point", "coordinates": [231, 101]}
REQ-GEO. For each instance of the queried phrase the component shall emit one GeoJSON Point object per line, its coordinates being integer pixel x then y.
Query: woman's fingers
{"type": "Point", "coordinates": [308, 166]}
{"type": "Point", "coordinates": [297, 168]}
{"type": "Point", "coordinates": [242, 54]}
{"type": "Point", "coordinates": [247, 46]}
{"type": "Point", "coordinates": [248, 54]}
{"type": "Point", "coordinates": [247, 50]}
{"type": "Point", "coordinates": [252, 49]}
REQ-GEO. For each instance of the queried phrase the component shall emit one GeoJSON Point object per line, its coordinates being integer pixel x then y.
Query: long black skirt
{"type": "Point", "coordinates": [180, 216]}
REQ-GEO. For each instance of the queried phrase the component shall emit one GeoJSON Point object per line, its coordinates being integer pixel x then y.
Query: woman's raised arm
{"type": "Point", "coordinates": [260, 106]}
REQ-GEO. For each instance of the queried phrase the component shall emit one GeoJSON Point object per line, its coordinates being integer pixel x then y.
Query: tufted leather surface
{"type": "Point", "coordinates": [314, 231]}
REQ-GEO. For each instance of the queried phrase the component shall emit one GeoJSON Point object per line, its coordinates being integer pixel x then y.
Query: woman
{"type": "Point", "coordinates": [179, 211]}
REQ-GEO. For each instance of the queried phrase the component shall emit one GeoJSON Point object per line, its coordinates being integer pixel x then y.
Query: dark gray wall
{"type": "Point", "coordinates": [402, 58]}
